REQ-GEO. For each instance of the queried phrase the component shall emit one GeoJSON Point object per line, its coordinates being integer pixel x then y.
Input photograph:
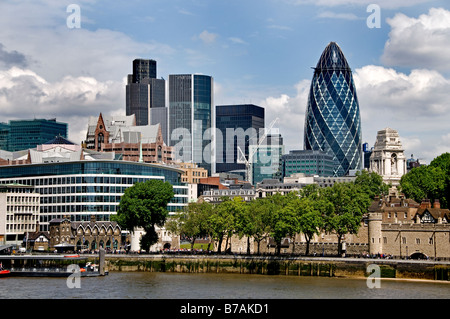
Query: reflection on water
{"type": "Point", "coordinates": [141, 285]}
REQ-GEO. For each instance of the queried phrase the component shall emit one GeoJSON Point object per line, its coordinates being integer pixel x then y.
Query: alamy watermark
{"type": "Point", "coordinates": [207, 145]}
{"type": "Point", "coordinates": [374, 279]}
{"type": "Point", "coordinates": [374, 19]}
{"type": "Point", "coordinates": [73, 21]}
{"type": "Point", "coordinates": [74, 280]}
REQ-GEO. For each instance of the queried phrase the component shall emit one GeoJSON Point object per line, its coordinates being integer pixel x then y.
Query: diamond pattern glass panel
{"type": "Point", "coordinates": [332, 121]}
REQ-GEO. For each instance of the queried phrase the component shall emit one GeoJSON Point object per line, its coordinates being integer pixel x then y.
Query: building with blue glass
{"type": "Point", "coordinates": [85, 188]}
{"type": "Point", "coordinates": [332, 121]}
{"type": "Point", "coordinates": [307, 162]}
{"type": "Point", "coordinates": [20, 135]}
{"type": "Point", "coordinates": [192, 118]}
{"type": "Point", "coordinates": [237, 126]}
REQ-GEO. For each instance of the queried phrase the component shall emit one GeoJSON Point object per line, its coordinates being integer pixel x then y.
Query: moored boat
{"type": "Point", "coordinates": [4, 273]}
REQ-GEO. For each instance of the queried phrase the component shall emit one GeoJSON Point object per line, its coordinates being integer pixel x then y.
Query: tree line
{"type": "Point", "coordinates": [337, 209]}
{"type": "Point", "coordinates": [429, 181]}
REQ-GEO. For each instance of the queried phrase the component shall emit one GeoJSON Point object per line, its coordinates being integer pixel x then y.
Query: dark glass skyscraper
{"type": "Point", "coordinates": [332, 121]}
{"type": "Point", "coordinates": [242, 122]}
{"type": "Point", "coordinates": [192, 119]}
{"type": "Point", "coordinates": [145, 92]}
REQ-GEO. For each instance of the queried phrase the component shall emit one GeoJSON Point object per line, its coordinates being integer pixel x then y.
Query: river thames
{"type": "Point", "coordinates": [157, 285]}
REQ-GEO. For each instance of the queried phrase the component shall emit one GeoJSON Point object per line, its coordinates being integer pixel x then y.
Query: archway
{"type": "Point", "coordinates": [418, 255]}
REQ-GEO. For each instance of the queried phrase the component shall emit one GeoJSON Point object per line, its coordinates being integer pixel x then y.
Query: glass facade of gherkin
{"type": "Point", "coordinates": [332, 121]}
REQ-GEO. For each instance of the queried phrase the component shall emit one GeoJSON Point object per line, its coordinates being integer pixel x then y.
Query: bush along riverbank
{"type": "Point", "coordinates": [357, 268]}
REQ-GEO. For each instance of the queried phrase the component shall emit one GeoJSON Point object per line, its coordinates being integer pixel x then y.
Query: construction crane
{"type": "Point", "coordinates": [249, 162]}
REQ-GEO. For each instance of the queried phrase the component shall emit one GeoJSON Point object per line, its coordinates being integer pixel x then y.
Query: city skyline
{"type": "Point", "coordinates": [257, 52]}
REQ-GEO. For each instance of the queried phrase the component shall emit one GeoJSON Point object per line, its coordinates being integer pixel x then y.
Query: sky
{"type": "Point", "coordinates": [258, 51]}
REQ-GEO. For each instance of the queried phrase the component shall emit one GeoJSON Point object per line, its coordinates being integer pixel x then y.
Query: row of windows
{"type": "Point", "coordinates": [417, 241]}
{"type": "Point", "coordinates": [20, 218]}
{"type": "Point", "coordinates": [20, 227]}
{"type": "Point", "coordinates": [22, 199]}
{"type": "Point", "coordinates": [22, 209]}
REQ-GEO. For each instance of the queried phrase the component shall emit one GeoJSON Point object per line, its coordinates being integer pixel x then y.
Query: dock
{"type": "Point", "coordinates": [52, 265]}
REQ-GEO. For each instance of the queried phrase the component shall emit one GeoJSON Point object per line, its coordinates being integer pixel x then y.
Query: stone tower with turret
{"type": "Point", "coordinates": [388, 158]}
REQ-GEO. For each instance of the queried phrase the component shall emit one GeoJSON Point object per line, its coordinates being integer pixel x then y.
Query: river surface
{"type": "Point", "coordinates": [156, 285]}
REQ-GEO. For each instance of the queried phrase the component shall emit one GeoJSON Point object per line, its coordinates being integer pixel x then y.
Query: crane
{"type": "Point", "coordinates": [249, 162]}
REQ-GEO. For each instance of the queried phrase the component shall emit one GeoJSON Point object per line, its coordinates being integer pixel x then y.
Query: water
{"type": "Point", "coordinates": [147, 285]}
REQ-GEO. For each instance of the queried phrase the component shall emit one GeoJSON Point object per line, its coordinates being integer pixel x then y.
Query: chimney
{"type": "Point", "coordinates": [425, 204]}
{"type": "Point", "coordinates": [437, 204]}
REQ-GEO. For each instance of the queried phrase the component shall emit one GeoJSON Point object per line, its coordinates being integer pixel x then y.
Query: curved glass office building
{"type": "Point", "coordinates": [332, 121]}
{"type": "Point", "coordinates": [80, 189]}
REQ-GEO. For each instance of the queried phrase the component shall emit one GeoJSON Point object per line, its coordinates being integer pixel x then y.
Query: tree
{"type": "Point", "coordinates": [281, 220]}
{"type": "Point", "coordinates": [191, 222]}
{"type": "Point", "coordinates": [349, 203]}
{"type": "Point", "coordinates": [424, 182]}
{"type": "Point", "coordinates": [222, 222]}
{"type": "Point", "coordinates": [145, 205]}
{"type": "Point", "coordinates": [312, 217]}
{"type": "Point", "coordinates": [372, 183]}
{"type": "Point", "coordinates": [259, 216]}
{"type": "Point", "coordinates": [443, 162]}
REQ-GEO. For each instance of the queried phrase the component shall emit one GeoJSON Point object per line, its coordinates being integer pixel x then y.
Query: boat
{"type": "Point", "coordinates": [4, 273]}
{"type": "Point", "coordinates": [90, 270]}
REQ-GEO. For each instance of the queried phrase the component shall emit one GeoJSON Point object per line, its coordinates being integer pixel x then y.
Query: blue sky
{"type": "Point", "coordinates": [258, 51]}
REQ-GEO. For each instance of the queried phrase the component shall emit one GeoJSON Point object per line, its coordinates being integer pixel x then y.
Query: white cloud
{"type": "Point", "coordinates": [291, 114]}
{"type": "Point", "coordinates": [71, 100]}
{"type": "Point", "coordinates": [237, 40]}
{"type": "Point", "coordinates": [389, 4]}
{"type": "Point", "coordinates": [419, 42]}
{"type": "Point", "coordinates": [415, 104]}
{"type": "Point", "coordinates": [208, 37]}
{"type": "Point", "coordinates": [341, 16]}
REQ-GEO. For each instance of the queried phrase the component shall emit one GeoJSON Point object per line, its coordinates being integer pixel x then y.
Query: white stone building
{"type": "Point", "coordinates": [388, 158]}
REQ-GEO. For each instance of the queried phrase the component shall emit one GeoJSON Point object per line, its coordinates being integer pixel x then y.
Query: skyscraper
{"type": "Point", "coordinates": [144, 92]}
{"type": "Point", "coordinates": [237, 125]}
{"type": "Point", "coordinates": [332, 121]}
{"type": "Point", "coordinates": [192, 119]}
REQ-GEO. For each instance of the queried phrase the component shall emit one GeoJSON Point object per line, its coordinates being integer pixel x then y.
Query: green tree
{"type": "Point", "coordinates": [424, 182]}
{"type": "Point", "coordinates": [282, 221]}
{"type": "Point", "coordinates": [145, 205]}
{"type": "Point", "coordinates": [259, 214]}
{"type": "Point", "coordinates": [243, 223]}
{"type": "Point", "coordinates": [443, 162]}
{"type": "Point", "coordinates": [372, 183]}
{"type": "Point", "coordinates": [312, 218]}
{"type": "Point", "coordinates": [222, 222]}
{"type": "Point", "coordinates": [349, 203]}
{"type": "Point", "coordinates": [191, 222]}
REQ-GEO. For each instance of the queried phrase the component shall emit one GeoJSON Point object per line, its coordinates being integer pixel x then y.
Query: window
{"type": "Point", "coordinates": [418, 241]}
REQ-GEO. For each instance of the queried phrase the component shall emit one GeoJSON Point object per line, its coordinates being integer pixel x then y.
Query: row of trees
{"type": "Point", "coordinates": [429, 181]}
{"type": "Point", "coordinates": [337, 209]}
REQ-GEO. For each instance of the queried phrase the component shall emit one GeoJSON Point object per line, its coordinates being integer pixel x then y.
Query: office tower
{"type": "Point", "coordinates": [332, 121]}
{"type": "Point", "coordinates": [192, 118]}
{"type": "Point", "coordinates": [143, 68]}
{"type": "Point", "coordinates": [236, 126]}
{"type": "Point", "coordinates": [308, 162]}
{"type": "Point", "coordinates": [144, 92]}
{"type": "Point", "coordinates": [266, 161]}
{"type": "Point", "coordinates": [20, 135]}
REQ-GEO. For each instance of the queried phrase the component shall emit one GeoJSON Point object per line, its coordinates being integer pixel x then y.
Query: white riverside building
{"type": "Point", "coordinates": [89, 186]}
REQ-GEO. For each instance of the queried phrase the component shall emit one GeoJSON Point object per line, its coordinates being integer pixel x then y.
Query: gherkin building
{"type": "Point", "coordinates": [332, 121]}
